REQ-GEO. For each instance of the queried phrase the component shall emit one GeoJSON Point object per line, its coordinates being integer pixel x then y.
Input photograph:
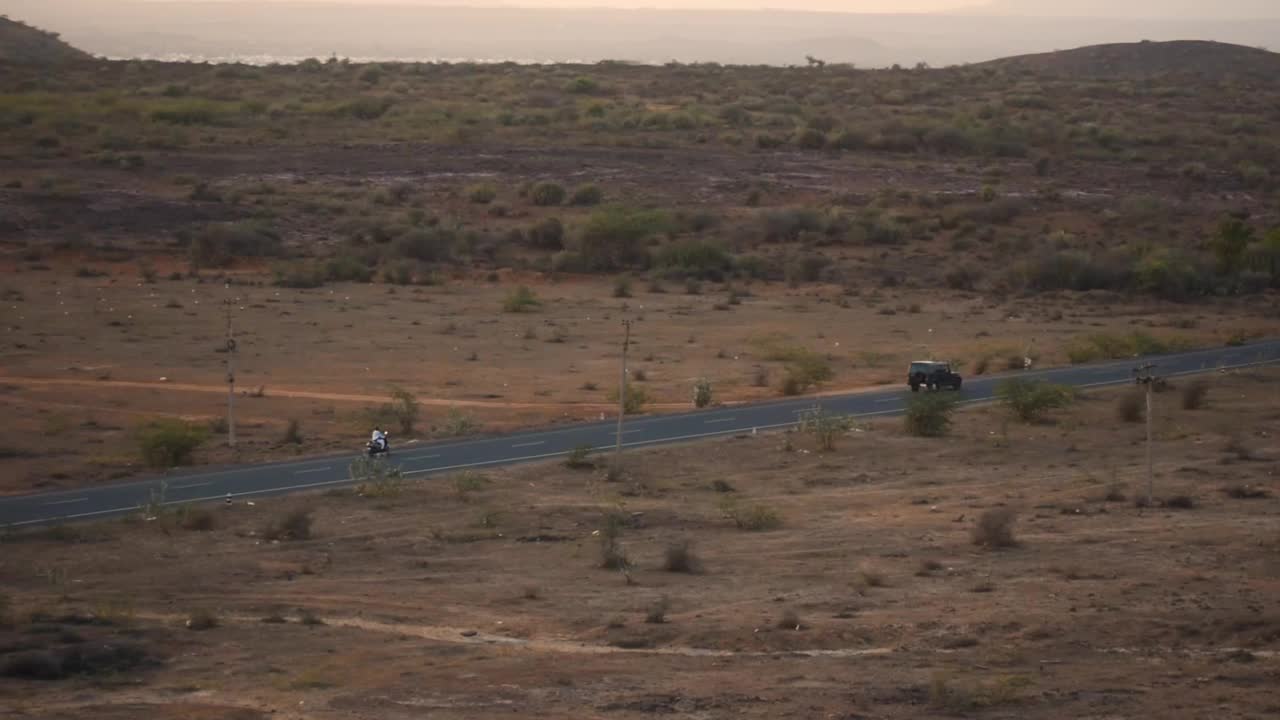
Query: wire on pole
{"type": "Point", "coordinates": [1143, 375]}
{"type": "Point", "coordinates": [622, 395]}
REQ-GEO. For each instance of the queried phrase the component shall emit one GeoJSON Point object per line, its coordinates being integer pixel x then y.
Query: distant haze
{"type": "Point", "coordinates": [939, 32]}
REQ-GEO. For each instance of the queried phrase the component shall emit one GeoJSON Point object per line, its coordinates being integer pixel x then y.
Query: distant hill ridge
{"type": "Point", "coordinates": [1204, 59]}
{"type": "Point", "coordinates": [21, 43]}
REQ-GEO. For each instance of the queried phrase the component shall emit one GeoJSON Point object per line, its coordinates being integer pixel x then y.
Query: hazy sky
{"type": "Point", "coordinates": [855, 6]}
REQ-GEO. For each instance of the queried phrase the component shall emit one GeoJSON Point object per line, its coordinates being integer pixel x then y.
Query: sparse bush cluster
{"type": "Point", "coordinates": [929, 414]}
{"type": "Point", "coordinates": [1031, 400]}
{"type": "Point", "coordinates": [169, 442]}
{"type": "Point", "coordinates": [753, 517]}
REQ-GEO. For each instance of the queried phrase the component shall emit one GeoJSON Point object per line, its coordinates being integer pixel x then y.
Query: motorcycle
{"type": "Point", "coordinates": [373, 449]}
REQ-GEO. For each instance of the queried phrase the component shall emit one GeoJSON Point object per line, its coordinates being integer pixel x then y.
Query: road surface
{"type": "Point", "coordinates": [424, 460]}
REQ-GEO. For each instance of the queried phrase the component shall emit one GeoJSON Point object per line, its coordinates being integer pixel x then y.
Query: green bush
{"type": "Point", "coordinates": [1031, 400]}
{"type": "Point", "coordinates": [520, 300]}
{"type": "Point", "coordinates": [1104, 346]}
{"type": "Point", "coordinates": [190, 112]}
{"type": "Point", "coordinates": [404, 408]}
{"type": "Point", "coordinates": [547, 234]}
{"type": "Point", "coordinates": [702, 393]}
{"type": "Point", "coordinates": [365, 108]}
{"type": "Point", "coordinates": [586, 195]}
{"type": "Point", "coordinates": [547, 194]}
{"type": "Point", "coordinates": [1169, 275]}
{"type": "Point", "coordinates": [374, 477]}
{"type": "Point", "coordinates": [825, 427]}
{"type": "Point", "coordinates": [786, 225]}
{"type": "Point", "coordinates": [219, 245]}
{"type": "Point", "coordinates": [752, 518]}
{"type": "Point", "coordinates": [482, 194]}
{"type": "Point", "coordinates": [580, 458]}
{"type": "Point", "coordinates": [299, 275]}
{"type": "Point", "coordinates": [804, 370]}
{"type": "Point", "coordinates": [293, 433]}
{"type": "Point", "coordinates": [169, 442]}
{"type": "Point", "coordinates": [615, 238]}
{"type": "Point", "coordinates": [695, 258]}
{"type": "Point", "coordinates": [929, 415]}
{"type": "Point", "coordinates": [399, 273]}
{"type": "Point", "coordinates": [812, 139]}
{"type": "Point", "coordinates": [426, 244]}
{"type": "Point", "coordinates": [636, 398]}
{"type": "Point", "coordinates": [1073, 270]}
{"type": "Point", "coordinates": [582, 85]}
{"type": "Point", "coordinates": [347, 269]}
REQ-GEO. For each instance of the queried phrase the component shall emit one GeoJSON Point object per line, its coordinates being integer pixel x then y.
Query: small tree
{"type": "Point", "coordinates": [375, 477]}
{"type": "Point", "coordinates": [169, 442]}
{"type": "Point", "coordinates": [702, 393]}
{"type": "Point", "coordinates": [1031, 400]}
{"type": "Point", "coordinates": [404, 408]}
{"type": "Point", "coordinates": [929, 415]}
{"type": "Point", "coordinates": [586, 195]}
{"type": "Point", "coordinates": [1228, 246]}
{"type": "Point", "coordinates": [825, 427]}
{"type": "Point", "coordinates": [635, 401]}
{"type": "Point", "coordinates": [547, 194]}
{"type": "Point", "coordinates": [520, 300]}
{"type": "Point", "coordinates": [482, 194]}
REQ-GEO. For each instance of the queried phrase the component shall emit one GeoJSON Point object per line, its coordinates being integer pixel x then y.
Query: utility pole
{"type": "Point", "coordinates": [1142, 376]}
{"type": "Point", "coordinates": [231, 377]}
{"type": "Point", "coordinates": [622, 393]}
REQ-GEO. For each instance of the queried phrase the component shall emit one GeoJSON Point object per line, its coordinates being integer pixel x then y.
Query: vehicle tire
{"type": "Point", "coordinates": [956, 385]}
{"type": "Point", "coordinates": [915, 387]}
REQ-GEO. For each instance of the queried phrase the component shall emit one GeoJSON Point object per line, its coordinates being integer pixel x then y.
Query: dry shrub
{"type": "Point", "coordinates": [995, 528]}
{"type": "Point", "coordinates": [202, 620]}
{"type": "Point", "coordinates": [657, 613]}
{"type": "Point", "coordinates": [1194, 393]}
{"type": "Point", "coordinates": [294, 526]}
{"type": "Point", "coordinates": [1180, 502]}
{"type": "Point", "coordinates": [790, 621]}
{"type": "Point", "coordinates": [753, 518]}
{"type": "Point", "coordinates": [1246, 492]}
{"type": "Point", "coordinates": [199, 520]}
{"type": "Point", "coordinates": [928, 567]}
{"type": "Point", "coordinates": [681, 558]}
{"type": "Point", "coordinates": [1132, 407]}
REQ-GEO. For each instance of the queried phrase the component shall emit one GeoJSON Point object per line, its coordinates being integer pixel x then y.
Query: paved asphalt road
{"type": "Point", "coordinates": [419, 460]}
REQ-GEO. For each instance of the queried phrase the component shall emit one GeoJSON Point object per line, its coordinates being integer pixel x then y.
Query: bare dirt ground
{"type": "Point", "coordinates": [483, 596]}
{"type": "Point", "coordinates": [87, 359]}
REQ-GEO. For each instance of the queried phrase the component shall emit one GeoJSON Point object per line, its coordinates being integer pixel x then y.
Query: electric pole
{"type": "Point", "coordinates": [1142, 376]}
{"type": "Point", "coordinates": [231, 377]}
{"type": "Point", "coordinates": [622, 393]}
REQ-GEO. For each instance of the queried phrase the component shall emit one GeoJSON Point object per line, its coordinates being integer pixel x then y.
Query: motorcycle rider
{"type": "Point", "coordinates": [379, 439]}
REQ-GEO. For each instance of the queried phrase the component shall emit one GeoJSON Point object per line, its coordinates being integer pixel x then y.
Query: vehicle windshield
{"type": "Point", "coordinates": [924, 367]}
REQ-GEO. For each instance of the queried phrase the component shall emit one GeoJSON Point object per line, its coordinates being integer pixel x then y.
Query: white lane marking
{"type": "Point", "coordinates": [308, 472]}
{"type": "Point", "coordinates": [68, 502]}
{"type": "Point", "coordinates": [530, 444]}
{"type": "Point", "coordinates": [76, 516]}
{"type": "Point", "coordinates": [192, 485]}
{"type": "Point", "coordinates": [719, 420]}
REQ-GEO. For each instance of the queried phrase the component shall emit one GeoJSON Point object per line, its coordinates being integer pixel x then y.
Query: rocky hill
{"type": "Point", "coordinates": [1190, 58]}
{"type": "Point", "coordinates": [21, 43]}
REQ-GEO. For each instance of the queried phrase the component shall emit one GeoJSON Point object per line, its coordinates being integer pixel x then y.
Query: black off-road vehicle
{"type": "Point", "coordinates": [932, 375]}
